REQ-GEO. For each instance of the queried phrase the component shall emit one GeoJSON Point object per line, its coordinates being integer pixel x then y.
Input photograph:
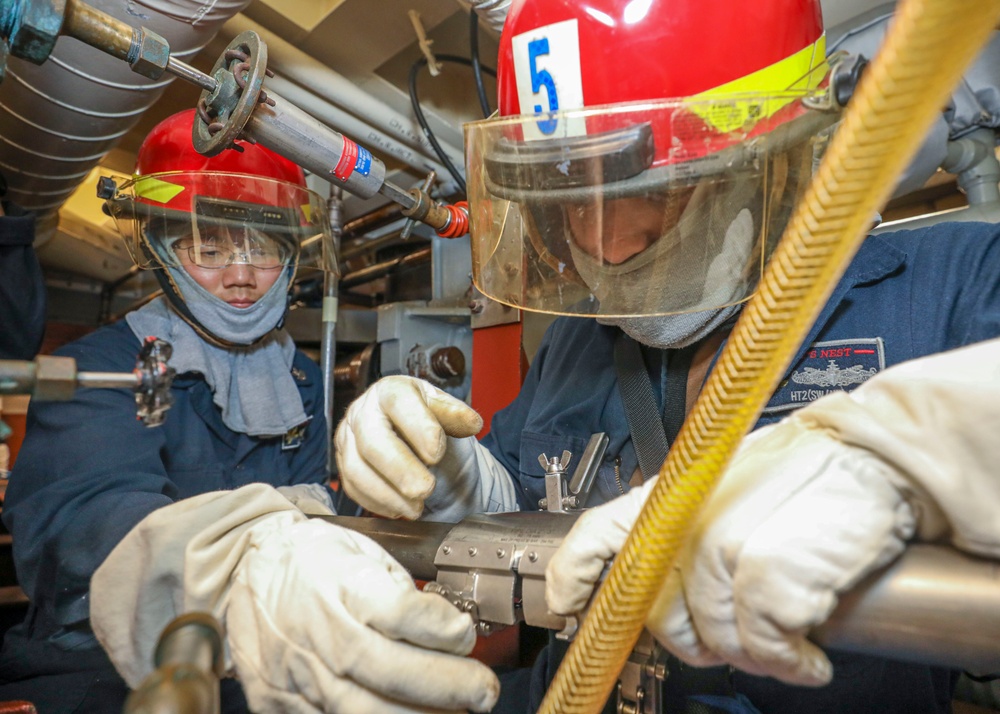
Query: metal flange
{"type": "Point", "coordinates": [239, 74]}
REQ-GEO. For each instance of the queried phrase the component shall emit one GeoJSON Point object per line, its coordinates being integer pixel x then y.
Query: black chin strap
{"type": "Point", "coordinates": [651, 438]}
{"type": "Point", "coordinates": [651, 435]}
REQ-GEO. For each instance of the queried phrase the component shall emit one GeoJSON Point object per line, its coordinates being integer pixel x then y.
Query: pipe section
{"type": "Point", "coordinates": [293, 64]}
{"type": "Point", "coordinates": [933, 605]}
{"type": "Point", "coordinates": [357, 129]}
{"type": "Point", "coordinates": [328, 343]}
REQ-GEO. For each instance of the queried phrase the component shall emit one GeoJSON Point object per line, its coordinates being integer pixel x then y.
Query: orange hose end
{"type": "Point", "coordinates": [458, 223]}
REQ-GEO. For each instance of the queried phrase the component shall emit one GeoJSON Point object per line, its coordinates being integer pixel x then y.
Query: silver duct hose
{"type": "Point", "coordinates": [59, 119]}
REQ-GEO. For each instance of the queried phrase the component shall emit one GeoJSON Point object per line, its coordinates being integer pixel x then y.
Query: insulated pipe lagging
{"type": "Point", "coordinates": [59, 119]}
{"type": "Point", "coordinates": [928, 46]}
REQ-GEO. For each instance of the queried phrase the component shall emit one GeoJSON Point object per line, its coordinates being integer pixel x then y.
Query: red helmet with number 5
{"type": "Point", "coordinates": [647, 153]}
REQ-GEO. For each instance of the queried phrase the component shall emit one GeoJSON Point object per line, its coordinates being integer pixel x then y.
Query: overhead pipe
{"type": "Point", "coordinates": [973, 160]}
{"type": "Point", "coordinates": [380, 270]}
{"type": "Point", "coordinates": [356, 129]}
{"type": "Point", "coordinates": [59, 119]}
{"type": "Point", "coordinates": [293, 64]}
{"type": "Point", "coordinates": [383, 216]}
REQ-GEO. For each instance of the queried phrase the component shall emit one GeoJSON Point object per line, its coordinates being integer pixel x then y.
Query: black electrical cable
{"type": "Point", "coordinates": [422, 120]}
{"type": "Point", "coordinates": [477, 70]}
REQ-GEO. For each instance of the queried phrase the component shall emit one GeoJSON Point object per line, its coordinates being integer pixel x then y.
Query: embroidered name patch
{"type": "Point", "coordinates": [834, 366]}
{"type": "Point", "coordinates": [293, 437]}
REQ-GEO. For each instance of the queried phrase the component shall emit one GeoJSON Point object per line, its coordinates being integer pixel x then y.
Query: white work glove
{"type": "Point", "coordinates": [317, 618]}
{"type": "Point", "coordinates": [809, 507]}
{"type": "Point", "coordinates": [406, 448]}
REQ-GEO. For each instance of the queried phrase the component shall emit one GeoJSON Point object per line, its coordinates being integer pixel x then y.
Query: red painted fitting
{"type": "Point", "coordinates": [458, 223]}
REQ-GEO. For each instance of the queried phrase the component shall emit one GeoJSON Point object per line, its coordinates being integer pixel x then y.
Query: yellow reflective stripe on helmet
{"type": "Point", "coordinates": [157, 190]}
{"type": "Point", "coordinates": [307, 211]}
{"type": "Point", "coordinates": [763, 90]}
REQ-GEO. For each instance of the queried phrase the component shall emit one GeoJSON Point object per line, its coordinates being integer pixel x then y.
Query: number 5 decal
{"type": "Point", "coordinates": [540, 79]}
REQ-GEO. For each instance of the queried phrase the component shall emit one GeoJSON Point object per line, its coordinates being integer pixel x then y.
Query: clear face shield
{"type": "Point", "coordinates": [637, 210]}
{"type": "Point", "coordinates": [211, 221]}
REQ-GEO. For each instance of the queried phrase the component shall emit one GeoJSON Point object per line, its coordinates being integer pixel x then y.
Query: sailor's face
{"type": "Point", "coordinates": [615, 230]}
{"type": "Point", "coordinates": [238, 283]}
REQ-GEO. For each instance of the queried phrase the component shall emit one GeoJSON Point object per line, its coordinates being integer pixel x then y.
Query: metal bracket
{"type": "Point", "coordinates": [560, 496]}
{"type": "Point", "coordinates": [487, 312]}
{"type": "Point", "coordinates": [639, 682]}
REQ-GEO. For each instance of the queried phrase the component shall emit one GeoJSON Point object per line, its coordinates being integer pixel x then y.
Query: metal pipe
{"type": "Point", "coordinates": [328, 342]}
{"type": "Point", "coordinates": [401, 196]}
{"type": "Point", "coordinates": [380, 270]}
{"type": "Point", "coordinates": [980, 177]}
{"type": "Point", "coordinates": [296, 65]}
{"type": "Point", "coordinates": [190, 74]}
{"type": "Point", "coordinates": [107, 380]}
{"type": "Point", "coordinates": [332, 115]}
{"type": "Point", "coordinates": [98, 29]}
{"type": "Point", "coordinates": [189, 662]}
{"type": "Point", "coordinates": [413, 543]}
{"type": "Point", "coordinates": [370, 221]}
{"type": "Point", "coordinates": [289, 131]}
{"type": "Point", "coordinates": [933, 605]}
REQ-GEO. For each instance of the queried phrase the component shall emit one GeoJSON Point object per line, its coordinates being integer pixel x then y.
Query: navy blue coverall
{"type": "Point", "coordinates": [906, 295]}
{"type": "Point", "coordinates": [22, 289]}
{"type": "Point", "coordinates": [88, 472]}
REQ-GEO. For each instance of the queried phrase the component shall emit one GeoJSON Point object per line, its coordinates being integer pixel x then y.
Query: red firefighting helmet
{"type": "Point", "coordinates": [647, 152]}
{"type": "Point", "coordinates": [255, 198]}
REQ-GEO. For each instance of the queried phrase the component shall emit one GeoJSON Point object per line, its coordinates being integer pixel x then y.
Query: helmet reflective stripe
{"type": "Point", "coordinates": [791, 73]}
{"type": "Point", "coordinates": [154, 189]}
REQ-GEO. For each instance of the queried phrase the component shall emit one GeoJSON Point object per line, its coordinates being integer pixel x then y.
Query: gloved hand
{"type": "Point", "coordinates": [809, 507]}
{"type": "Point", "coordinates": [405, 445]}
{"type": "Point", "coordinates": [317, 618]}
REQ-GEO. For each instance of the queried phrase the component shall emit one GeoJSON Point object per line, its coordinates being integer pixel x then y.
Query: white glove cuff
{"type": "Point", "coordinates": [469, 480]}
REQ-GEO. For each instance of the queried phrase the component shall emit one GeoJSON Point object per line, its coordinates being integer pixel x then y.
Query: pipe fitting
{"type": "Point", "coordinates": [55, 378]}
{"type": "Point", "coordinates": [39, 27]}
{"type": "Point", "coordinates": [149, 54]}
